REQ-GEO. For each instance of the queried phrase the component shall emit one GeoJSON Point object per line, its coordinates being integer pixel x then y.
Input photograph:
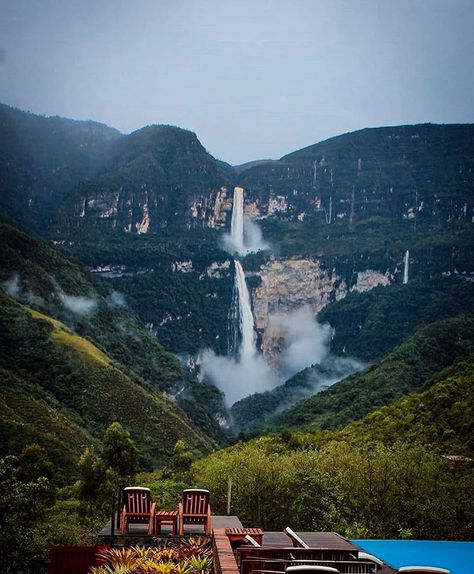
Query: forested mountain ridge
{"type": "Point", "coordinates": [68, 374]}
{"type": "Point", "coordinates": [407, 368]}
{"type": "Point", "coordinates": [146, 213]}
{"type": "Point", "coordinates": [44, 277]}
{"type": "Point", "coordinates": [158, 177]}
{"type": "Point", "coordinates": [388, 475]}
{"type": "Point", "coordinates": [42, 159]}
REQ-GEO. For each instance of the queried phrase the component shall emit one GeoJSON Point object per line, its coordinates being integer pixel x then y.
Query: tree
{"type": "Point", "coordinates": [182, 458]}
{"type": "Point", "coordinates": [33, 463]}
{"type": "Point", "coordinates": [93, 483]}
{"type": "Point", "coordinates": [119, 453]}
{"type": "Point", "coordinates": [120, 457]}
{"type": "Point", "coordinates": [22, 505]}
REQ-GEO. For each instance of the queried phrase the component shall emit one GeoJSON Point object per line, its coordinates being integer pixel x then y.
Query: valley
{"type": "Point", "coordinates": [300, 311]}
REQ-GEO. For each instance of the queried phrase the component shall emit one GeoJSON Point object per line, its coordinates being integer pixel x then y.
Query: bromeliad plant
{"type": "Point", "coordinates": [192, 556]}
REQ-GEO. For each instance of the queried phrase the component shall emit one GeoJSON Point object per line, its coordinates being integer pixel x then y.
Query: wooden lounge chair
{"type": "Point", "coordinates": [251, 540]}
{"type": "Point", "coordinates": [137, 508]}
{"type": "Point", "coordinates": [195, 509]}
{"type": "Point", "coordinates": [297, 541]}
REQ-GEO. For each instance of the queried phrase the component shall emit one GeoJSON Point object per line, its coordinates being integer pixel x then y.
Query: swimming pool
{"type": "Point", "coordinates": [456, 556]}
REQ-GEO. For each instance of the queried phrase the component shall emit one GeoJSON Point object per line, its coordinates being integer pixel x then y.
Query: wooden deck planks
{"type": "Point", "coordinates": [313, 539]}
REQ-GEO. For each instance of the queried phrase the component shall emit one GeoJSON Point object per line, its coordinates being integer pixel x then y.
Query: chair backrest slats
{"type": "Point", "coordinates": [195, 501]}
{"type": "Point", "coordinates": [137, 500]}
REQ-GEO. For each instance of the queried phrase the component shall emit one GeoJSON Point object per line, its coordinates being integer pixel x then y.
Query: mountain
{"type": "Point", "coordinates": [158, 178]}
{"type": "Point", "coordinates": [42, 159]}
{"type": "Point", "coordinates": [424, 173]}
{"type": "Point", "coordinates": [146, 213]}
{"type": "Point", "coordinates": [340, 216]}
{"type": "Point", "coordinates": [44, 277]}
{"type": "Point", "coordinates": [440, 417]}
{"type": "Point", "coordinates": [81, 386]}
{"type": "Point", "coordinates": [402, 469]}
{"type": "Point", "coordinates": [407, 368]}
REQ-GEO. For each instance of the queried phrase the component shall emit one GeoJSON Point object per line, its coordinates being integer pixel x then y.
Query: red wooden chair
{"type": "Point", "coordinates": [195, 509]}
{"type": "Point", "coordinates": [137, 508]}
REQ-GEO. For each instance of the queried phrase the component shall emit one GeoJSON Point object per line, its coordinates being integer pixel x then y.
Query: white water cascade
{"type": "Point", "coordinates": [246, 323]}
{"type": "Point", "coordinates": [405, 269]}
{"type": "Point", "coordinates": [245, 235]}
{"type": "Point", "coordinates": [244, 370]}
{"type": "Point", "coordinates": [237, 224]}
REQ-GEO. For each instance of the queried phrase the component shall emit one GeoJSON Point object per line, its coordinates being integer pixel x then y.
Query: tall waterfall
{"type": "Point", "coordinates": [237, 224]}
{"type": "Point", "coordinates": [405, 269]}
{"type": "Point", "coordinates": [246, 324]}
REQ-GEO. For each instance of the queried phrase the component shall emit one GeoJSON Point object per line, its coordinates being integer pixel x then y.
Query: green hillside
{"type": "Point", "coordinates": [369, 325]}
{"type": "Point", "coordinates": [440, 417]}
{"type": "Point", "coordinates": [45, 277]}
{"type": "Point", "coordinates": [30, 414]}
{"type": "Point", "coordinates": [43, 158]}
{"type": "Point", "coordinates": [385, 476]}
{"type": "Point", "coordinates": [253, 411]}
{"type": "Point", "coordinates": [408, 368]}
{"type": "Point", "coordinates": [86, 388]}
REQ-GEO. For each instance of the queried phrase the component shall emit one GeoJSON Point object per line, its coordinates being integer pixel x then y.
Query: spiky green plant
{"type": "Point", "coordinates": [192, 556]}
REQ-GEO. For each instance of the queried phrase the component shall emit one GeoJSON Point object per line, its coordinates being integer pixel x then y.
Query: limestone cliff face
{"type": "Point", "coordinates": [159, 177]}
{"type": "Point", "coordinates": [287, 284]}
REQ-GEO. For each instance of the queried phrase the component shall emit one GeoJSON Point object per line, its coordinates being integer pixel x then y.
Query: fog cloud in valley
{"type": "Point", "coordinates": [304, 342]}
{"type": "Point", "coordinates": [12, 286]}
{"type": "Point", "coordinates": [78, 304]}
{"type": "Point", "coordinates": [239, 376]}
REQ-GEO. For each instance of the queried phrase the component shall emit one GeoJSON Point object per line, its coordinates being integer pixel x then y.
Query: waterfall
{"type": "Point", "coordinates": [237, 224]}
{"type": "Point", "coordinates": [247, 345]}
{"type": "Point", "coordinates": [405, 270]}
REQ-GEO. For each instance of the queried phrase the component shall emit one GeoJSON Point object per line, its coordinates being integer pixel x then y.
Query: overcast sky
{"type": "Point", "coordinates": [253, 78]}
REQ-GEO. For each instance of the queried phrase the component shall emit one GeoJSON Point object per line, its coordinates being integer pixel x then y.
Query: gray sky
{"type": "Point", "coordinates": [253, 78]}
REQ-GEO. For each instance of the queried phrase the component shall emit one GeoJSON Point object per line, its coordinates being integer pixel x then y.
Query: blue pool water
{"type": "Point", "coordinates": [458, 557]}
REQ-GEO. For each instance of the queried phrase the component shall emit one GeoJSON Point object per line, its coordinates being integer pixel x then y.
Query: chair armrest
{"type": "Point", "coordinates": [180, 519]}
{"type": "Point", "coordinates": [151, 519]}
{"type": "Point", "coordinates": [123, 524]}
{"type": "Point", "coordinates": [208, 521]}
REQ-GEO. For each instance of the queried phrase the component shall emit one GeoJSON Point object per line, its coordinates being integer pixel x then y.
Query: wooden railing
{"type": "Point", "coordinates": [71, 559]}
{"type": "Point", "coordinates": [224, 559]}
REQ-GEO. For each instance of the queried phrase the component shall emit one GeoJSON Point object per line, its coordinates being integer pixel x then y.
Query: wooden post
{"type": "Point", "coordinates": [112, 523]}
{"type": "Point", "coordinates": [229, 495]}
{"type": "Point", "coordinates": [119, 507]}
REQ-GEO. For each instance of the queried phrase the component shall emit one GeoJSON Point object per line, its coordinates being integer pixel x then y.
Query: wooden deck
{"type": "Point", "coordinates": [138, 532]}
{"type": "Point", "coordinates": [224, 559]}
{"type": "Point", "coordinates": [319, 540]}
{"type": "Point", "coordinates": [313, 539]}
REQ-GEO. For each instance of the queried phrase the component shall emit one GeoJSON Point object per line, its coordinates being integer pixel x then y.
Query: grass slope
{"type": "Point", "coordinates": [47, 279]}
{"type": "Point", "coordinates": [91, 389]}
{"type": "Point", "coordinates": [30, 414]}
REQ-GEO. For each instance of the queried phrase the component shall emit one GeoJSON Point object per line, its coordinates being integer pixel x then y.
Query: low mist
{"type": "Point", "coordinates": [12, 286]}
{"type": "Point", "coordinates": [78, 304]}
{"type": "Point", "coordinates": [237, 377]}
{"type": "Point", "coordinates": [304, 343]}
{"type": "Point", "coordinates": [117, 299]}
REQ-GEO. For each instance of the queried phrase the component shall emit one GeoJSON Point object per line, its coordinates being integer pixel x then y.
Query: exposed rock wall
{"type": "Point", "coordinates": [287, 284]}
